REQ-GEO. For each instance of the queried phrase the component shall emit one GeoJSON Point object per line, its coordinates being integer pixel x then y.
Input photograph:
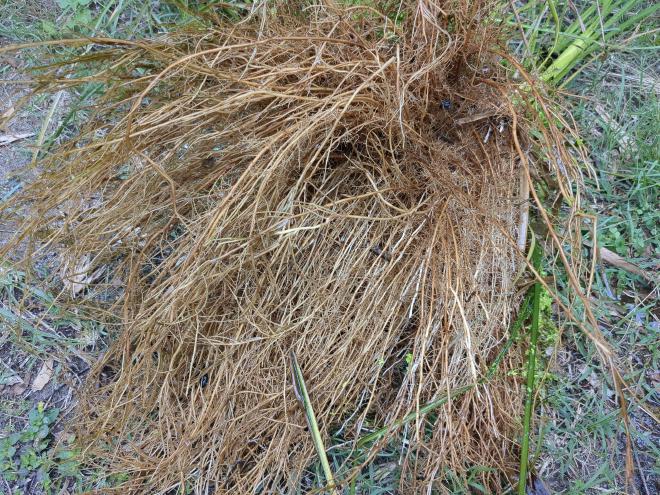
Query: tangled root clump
{"type": "Point", "coordinates": [320, 179]}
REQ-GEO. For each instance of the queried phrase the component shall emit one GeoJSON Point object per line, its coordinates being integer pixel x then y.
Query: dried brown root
{"type": "Point", "coordinates": [324, 180]}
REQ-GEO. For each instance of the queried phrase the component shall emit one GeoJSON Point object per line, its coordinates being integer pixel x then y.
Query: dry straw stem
{"type": "Point", "coordinates": [311, 179]}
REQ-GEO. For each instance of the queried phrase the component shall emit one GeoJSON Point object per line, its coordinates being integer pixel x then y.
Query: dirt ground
{"type": "Point", "coordinates": [39, 375]}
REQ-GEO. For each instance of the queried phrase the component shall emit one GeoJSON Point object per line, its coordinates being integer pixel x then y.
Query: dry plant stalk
{"type": "Point", "coordinates": [317, 179]}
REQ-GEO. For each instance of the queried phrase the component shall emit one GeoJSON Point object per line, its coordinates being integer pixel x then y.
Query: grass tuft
{"type": "Point", "coordinates": [343, 186]}
{"type": "Point", "coordinates": [320, 187]}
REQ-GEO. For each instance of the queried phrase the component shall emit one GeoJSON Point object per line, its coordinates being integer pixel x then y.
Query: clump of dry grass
{"type": "Point", "coordinates": [317, 179]}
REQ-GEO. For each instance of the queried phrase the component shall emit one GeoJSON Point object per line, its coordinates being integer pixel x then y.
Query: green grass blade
{"type": "Point", "coordinates": [594, 35]}
{"type": "Point", "coordinates": [557, 22]}
{"type": "Point", "coordinates": [302, 395]}
{"type": "Point", "coordinates": [531, 376]}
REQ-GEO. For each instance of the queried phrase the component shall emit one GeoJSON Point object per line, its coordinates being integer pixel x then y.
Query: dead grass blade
{"type": "Point", "coordinates": [8, 138]}
{"type": "Point", "coordinates": [614, 259]}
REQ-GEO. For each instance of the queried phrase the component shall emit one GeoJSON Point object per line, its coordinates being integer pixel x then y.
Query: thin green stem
{"type": "Point", "coordinates": [555, 19]}
{"type": "Point", "coordinates": [302, 395]}
{"type": "Point", "coordinates": [531, 376]}
{"type": "Point", "coordinates": [597, 33]}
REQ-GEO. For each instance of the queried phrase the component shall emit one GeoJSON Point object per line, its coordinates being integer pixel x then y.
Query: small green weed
{"type": "Point", "coordinates": [78, 18]}
{"type": "Point", "coordinates": [38, 321]}
{"type": "Point", "coordinates": [36, 20]}
{"type": "Point", "coordinates": [26, 454]}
